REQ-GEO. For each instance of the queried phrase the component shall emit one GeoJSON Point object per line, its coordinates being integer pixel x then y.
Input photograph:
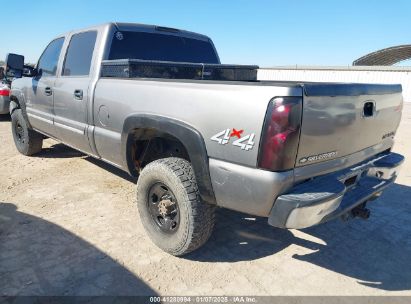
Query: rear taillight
{"type": "Point", "coordinates": [279, 143]}
{"type": "Point", "coordinates": [4, 92]}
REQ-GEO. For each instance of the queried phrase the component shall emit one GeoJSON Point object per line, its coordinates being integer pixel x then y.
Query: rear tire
{"type": "Point", "coordinates": [171, 181]}
{"type": "Point", "coordinates": [27, 141]}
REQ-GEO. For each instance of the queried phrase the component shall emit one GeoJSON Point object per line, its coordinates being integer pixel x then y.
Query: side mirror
{"type": "Point", "coordinates": [29, 71]}
{"type": "Point", "coordinates": [14, 65]}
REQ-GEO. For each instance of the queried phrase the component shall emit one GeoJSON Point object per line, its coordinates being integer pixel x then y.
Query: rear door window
{"type": "Point", "coordinates": [79, 54]}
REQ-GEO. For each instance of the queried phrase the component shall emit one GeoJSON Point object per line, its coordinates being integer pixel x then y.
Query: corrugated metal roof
{"type": "Point", "coordinates": [384, 57]}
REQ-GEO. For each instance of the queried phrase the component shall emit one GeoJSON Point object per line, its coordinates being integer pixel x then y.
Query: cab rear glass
{"type": "Point", "coordinates": [161, 47]}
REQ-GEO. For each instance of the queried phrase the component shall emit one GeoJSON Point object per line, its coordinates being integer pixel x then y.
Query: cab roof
{"type": "Point", "coordinates": [123, 26]}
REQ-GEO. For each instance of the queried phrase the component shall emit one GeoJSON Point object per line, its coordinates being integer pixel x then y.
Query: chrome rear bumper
{"type": "Point", "coordinates": [326, 197]}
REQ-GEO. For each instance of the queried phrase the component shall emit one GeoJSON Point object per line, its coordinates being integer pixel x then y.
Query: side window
{"type": "Point", "coordinates": [79, 54]}
{"type": "Point", "coordinates": [50, 57]}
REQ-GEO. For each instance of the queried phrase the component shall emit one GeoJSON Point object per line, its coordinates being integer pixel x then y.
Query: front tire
{"type": "Point", "coordinates": [170, 207]}
{"type": "Point", "coordinates": [27, 141]}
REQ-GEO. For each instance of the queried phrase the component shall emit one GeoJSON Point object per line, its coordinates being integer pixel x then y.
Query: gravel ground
{"type": "Point", "coordinates": [69, 226]}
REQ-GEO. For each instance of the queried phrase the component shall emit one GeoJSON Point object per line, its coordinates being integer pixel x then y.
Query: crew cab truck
{"type": "Point", "coordinates": [299, 154]}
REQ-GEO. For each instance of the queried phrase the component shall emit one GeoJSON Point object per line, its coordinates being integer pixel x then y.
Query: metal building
{"type": "Point", "coordinates": [369, 74]}
{"type": "Point", "coordinates": [375, 67]}
{"type": "Point", "coordinates": [388, 56]}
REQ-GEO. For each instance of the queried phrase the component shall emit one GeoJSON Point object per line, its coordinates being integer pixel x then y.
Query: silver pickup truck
{"type": "Point", "coordinates": [157, 103]}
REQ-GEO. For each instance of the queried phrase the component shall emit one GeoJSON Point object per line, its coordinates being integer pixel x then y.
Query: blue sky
{"type": "Point", "coordinates": [268, 33]}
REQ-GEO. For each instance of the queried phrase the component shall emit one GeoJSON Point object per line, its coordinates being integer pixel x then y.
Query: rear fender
{"type": "Point", "coordinates": [186, 134]}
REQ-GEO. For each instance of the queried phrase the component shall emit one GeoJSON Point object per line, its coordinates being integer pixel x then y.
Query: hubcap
{"type": "Point", "coordinates": [163, 208]}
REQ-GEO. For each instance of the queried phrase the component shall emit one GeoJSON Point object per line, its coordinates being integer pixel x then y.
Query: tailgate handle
{"type": "Point", "coordinates": [369, 109]}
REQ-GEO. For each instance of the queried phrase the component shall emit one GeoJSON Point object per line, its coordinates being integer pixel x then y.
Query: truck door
{"type": "Point", "coordinates": [39, 103]}
{"type": "Point", "coordinates": [71, 91]}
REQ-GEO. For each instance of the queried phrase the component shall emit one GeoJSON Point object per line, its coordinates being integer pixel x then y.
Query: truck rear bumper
{"type": "Point", "coordinates": [332, 195]}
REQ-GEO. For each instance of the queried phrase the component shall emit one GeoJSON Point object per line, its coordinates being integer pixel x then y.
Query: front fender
{"type": "Point", "coordinates": [18, 101]}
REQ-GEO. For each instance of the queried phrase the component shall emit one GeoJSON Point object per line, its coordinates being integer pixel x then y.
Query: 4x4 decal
{"type": "Point", "coordinates": [244, 142]}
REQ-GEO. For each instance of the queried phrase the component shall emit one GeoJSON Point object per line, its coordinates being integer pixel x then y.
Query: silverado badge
{"type": "Point", "coordinates": [321, 156]}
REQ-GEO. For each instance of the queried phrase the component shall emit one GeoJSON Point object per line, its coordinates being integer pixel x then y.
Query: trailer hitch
{"type": "Point", "coordinates": [361, 212]}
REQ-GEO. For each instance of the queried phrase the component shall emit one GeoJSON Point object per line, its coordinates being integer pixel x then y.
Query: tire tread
{"type": "Point", "coordinates": [203, 214]}
{"type": "Point", "coordinates": [34, 139]}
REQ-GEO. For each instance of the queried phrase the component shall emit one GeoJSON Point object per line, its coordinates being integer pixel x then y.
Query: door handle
{"type": "Point", "coordinates": [48, 91]}
{"type": "Point", "coordinates": [78, 94]}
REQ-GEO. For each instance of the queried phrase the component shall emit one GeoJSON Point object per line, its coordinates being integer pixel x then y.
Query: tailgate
{"type": "Point", "coordinates": [341, 119]}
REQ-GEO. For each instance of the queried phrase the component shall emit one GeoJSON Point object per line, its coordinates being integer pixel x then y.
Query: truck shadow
{"type": "Point", "coordinates": [241, 237]}
{"type": "Point", "coordinates": [40, 258]}
{"type": "Point", "coordinates": [59, 150]}
{"type": "Point", "coordinates": [375, 252]}
{"type": "Point", "coordinates": [110, 168]}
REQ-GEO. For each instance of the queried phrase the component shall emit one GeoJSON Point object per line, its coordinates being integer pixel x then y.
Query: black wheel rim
{"type": "Point", "coordinates": [163, 208]}
{"type": "Point", "coordinates": [19, 133]}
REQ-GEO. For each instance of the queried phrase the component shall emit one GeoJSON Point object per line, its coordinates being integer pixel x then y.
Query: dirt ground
{"type": "Point", "coordinates": [69, 226]}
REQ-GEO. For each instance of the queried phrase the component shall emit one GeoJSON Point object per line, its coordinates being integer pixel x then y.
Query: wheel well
{"type": "Point", "coordinates": [14, 103]}
{"type": "Point", "coordinates": [147, 137]}
{"type": "Point", "coordinates": [147, 145]}
{"type": "Point", "coordinates": [14, 99]}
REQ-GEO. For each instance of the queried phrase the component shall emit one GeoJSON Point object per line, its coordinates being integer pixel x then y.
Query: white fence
{"type": "Point", "coordinates": [372, 74]}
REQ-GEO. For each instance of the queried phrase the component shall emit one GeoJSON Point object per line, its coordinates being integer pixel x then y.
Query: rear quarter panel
{"type": "Point", "coordinates": [207, 106]}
